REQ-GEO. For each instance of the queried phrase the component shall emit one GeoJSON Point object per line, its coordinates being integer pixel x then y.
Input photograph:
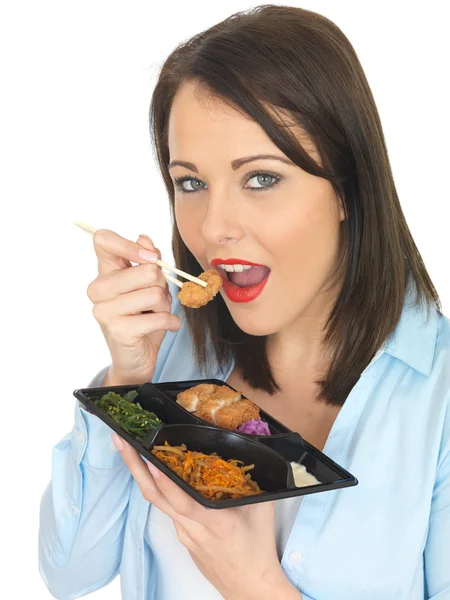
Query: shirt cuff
{"type": "Point", "coordinates": [91, 437]}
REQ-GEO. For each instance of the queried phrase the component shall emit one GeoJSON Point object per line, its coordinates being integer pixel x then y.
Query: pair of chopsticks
{"type": "Point", "coordinates": [160, 263]}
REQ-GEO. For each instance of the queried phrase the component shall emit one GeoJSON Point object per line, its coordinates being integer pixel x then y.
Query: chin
{"type": "Point", "coordinates": [256, 328]}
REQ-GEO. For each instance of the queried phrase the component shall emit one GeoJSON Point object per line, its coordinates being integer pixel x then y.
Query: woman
{"type": "Point", "coordinates": [272, 152]}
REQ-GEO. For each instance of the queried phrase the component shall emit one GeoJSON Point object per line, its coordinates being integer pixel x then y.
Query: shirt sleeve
{"type": "Point", "coordinates": [437, 549]}
{"type": "Point", "coordinates": [83, 509]}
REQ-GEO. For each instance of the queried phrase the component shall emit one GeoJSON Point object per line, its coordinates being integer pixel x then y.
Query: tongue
{"type": "Point", "coordinates": [249, 277]}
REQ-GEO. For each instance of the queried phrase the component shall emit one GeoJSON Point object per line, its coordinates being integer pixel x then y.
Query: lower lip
{"type": "Point", "coordinates": [240, 294]}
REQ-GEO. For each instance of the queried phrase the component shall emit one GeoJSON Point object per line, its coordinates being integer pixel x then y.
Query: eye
{"type": "Point", "coordinates": [193, 184]}
{"type": "Point", "coordinates": [187, 184]}
{"type": "Point", "coordinates": [264, 180]}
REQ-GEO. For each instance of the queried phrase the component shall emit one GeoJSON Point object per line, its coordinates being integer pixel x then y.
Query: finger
{"type": "Point", "coordinates": [133, 303]}
{"type": "Point", "coordinates": [140, 470]}
{"type": "Point", "coordinates": [185, 535]}
{"type": "Point", "coordinates": [147, 243]}
{"type": "Point", "coordinates": [183, 504]}
{"type": "Point", "coordinates": [115, 252]}
{"type": "Point", "coordinates": [107, 287]}
{"type": "Point", "coordinates": [130, 328]}
{"type": "Point", "coordinates": [191, 532]}
{"type": "Point", "coordinates": [142, 476]}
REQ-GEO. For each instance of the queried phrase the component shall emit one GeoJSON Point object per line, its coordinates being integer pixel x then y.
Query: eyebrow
{"type": "Point", "coordinates": [235, 164]}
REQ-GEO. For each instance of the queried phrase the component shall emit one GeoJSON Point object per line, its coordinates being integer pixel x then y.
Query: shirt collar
{"type": "Point", "coordinates": [414, 339]}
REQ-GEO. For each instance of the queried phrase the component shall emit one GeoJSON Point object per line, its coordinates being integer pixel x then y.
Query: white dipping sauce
{"type": "Point", "coordinates": [301, 476]}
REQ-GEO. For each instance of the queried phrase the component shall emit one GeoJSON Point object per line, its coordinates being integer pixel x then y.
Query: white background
{"type": "Point", "coordinates": [76, 81]}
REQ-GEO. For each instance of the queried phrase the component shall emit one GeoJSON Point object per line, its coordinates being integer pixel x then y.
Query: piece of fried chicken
{"type": "Point", "coordinates": [194, 295]}
{"type": "Point", "coordinates": [193, 397]}
{"type": "Point", "coordinates": [234, 415]}
{"type": "Point", "coordinates": [218, 404]}
{"type": "Point", "coordinates": [229, 417]}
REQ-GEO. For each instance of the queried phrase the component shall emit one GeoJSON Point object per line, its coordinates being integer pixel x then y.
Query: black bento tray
{"type": "Point", "coordinates": [271, 454]}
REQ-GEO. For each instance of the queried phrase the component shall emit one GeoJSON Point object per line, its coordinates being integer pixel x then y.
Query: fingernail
{"type": "Point", "coordinates": [147, 255]}
{"type": "Point", "coordinates": [118, 442]}
{"type": "Point", "coordinates": [153, 470]}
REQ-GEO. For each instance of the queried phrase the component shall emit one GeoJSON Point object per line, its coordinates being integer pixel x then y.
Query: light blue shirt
{"type": "Point", "coordinates": [386, 538]}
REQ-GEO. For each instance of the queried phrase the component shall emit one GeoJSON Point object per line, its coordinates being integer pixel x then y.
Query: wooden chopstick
{"type": "Point", "coordinates": [172, 279]}
{"type": "Point", "coordinates": [160, 263]}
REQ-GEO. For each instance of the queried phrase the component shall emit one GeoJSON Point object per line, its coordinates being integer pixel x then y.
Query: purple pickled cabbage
{"type": "Point", "coordinates": [254, 427]}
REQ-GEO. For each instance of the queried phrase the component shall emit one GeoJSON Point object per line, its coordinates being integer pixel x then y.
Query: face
{"type": "Point", "coordinates": [266, 212]}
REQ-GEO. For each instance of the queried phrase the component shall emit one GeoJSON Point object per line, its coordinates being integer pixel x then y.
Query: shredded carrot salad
{"type": "Point", "coordinates": [212, 476]}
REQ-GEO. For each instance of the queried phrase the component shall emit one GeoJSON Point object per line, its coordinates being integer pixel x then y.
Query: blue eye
{"type": "Point", "coordinates": [194, 185]}
{"type": "Point", "coordinates": [179, 181]}
{"type": "Point", "coordinates": [262, 178]}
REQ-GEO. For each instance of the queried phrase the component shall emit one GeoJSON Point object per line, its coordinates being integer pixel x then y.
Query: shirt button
{"type": "Point", "coordinates": [80, 435]}
{"type": "Point", "coordinates": [296, 557]}
{"type": "Point", "coordinates": [74, 510]}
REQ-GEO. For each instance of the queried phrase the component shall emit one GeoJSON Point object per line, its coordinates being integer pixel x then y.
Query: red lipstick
{"type": "Point", "coordinates": [234, 292]}
{"type": "Point", "coordinates": [233, 261]}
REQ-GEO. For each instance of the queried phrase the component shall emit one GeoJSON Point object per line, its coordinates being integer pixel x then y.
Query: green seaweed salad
{"type": "Point", "coordinates": [130, 415]}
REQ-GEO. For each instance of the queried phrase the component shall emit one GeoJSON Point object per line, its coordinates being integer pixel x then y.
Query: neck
{"type": "Point", "coordinates": [298, 347]}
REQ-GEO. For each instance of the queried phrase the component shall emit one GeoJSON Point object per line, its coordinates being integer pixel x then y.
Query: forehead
{"type": "Point", "coordinates": [206, 126]}
{"type": "Point", "coordinates": [203, 127]}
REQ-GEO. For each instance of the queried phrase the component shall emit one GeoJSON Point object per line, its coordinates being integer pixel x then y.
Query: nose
{"type": "Point", "coordinates": [222, 223]}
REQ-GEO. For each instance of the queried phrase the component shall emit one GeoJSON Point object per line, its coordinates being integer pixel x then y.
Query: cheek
{"type": "Point", "coordinates": [307, 241]}
{"type": "Point", "coordinates": [317, 236]}
{"type": "Point", "coordinates": [189, 223]}
{"type": "Point", "coordinates": [303, 240]}
{"type": "Point", "coordinates": [306, 234]}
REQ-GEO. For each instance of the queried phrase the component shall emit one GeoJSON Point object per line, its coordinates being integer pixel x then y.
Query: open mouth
{"type": "Point", "coordinates": [243, 281]}
{"type": "Point", "coordinates": [250, 276]}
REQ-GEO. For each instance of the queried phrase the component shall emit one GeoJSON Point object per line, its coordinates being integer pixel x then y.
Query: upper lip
{"type": "Point", "coordinates": [234, 261]}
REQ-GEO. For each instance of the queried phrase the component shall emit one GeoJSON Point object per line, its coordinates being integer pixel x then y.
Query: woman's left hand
{"type": "Point", "coordinates": [234, 548]}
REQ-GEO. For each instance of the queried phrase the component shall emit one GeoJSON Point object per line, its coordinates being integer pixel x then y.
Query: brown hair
{"type": "Point", "coordinates": [298, 61]}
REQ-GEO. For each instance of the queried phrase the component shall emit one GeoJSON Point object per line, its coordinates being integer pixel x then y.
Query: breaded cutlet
{"type": "Point", "coordinates": [190, 398]}
{"type": "Point", "coordinates": [232, 416]}
{"type": "Point", "coordinates": [208, 409]}
{"type": "Point", "coordinates": [220, 392]}
{"type": "Point", "coordinates": [193, 398]}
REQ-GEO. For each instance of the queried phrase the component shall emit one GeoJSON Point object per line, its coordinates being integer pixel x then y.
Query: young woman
{"type": "Point", "coordinates": [272, 152]}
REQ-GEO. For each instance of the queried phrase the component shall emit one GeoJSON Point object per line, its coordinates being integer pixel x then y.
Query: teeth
{"type": "Point", "coordinates": [235, 268]}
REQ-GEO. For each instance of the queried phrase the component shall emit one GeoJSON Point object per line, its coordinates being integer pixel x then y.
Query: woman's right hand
{"type": "Point", "coordinates": [132, 306]}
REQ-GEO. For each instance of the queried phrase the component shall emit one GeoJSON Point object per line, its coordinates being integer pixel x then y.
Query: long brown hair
{"type": "Point", "coordinates": [288, 58]}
